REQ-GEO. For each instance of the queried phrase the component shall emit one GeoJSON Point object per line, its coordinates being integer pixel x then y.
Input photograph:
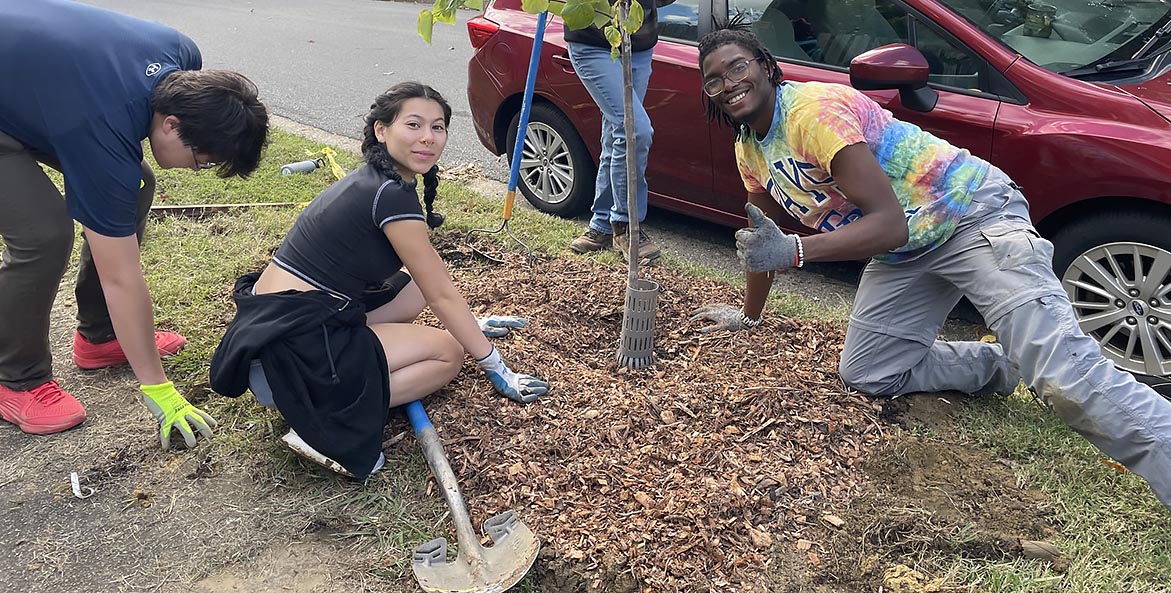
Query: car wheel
{"type": "Point", "coordinates": [1116, 268]}
{"type": "Point", "coordinates": [556, 171]}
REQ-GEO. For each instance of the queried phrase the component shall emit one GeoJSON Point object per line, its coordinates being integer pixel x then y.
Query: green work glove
{"type": "Point", "coordinates": [173, 411]}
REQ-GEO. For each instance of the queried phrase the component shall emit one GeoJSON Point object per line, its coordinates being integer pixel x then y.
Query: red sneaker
{"type": "Point", "coordinates": [90, 356]}
{"type": "Point", "coordinates": [44, 409]}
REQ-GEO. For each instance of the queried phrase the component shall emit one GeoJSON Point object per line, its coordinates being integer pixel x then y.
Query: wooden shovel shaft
{"type": "Point", "coordinates": [469, 543]}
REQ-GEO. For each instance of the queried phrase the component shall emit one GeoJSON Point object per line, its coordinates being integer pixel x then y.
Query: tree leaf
{"type": "Point", "coordinates": [443, 14]}
{"type": "Point", "coordinates": [634, 18]}
{"type": "Point", "coordinates": [602, 12]}
{"type": "Point", "coordinates": [556, 6]}
{"type": "Point", "coordinates": [534, 6]}
{"type": "Point", "coordinates": [474, 4]}
{"type": "Point", "coordinates": [577, 15]}
{"type": "Point", "coordinates": [443, 11]}
{"type": "Point", "coordinates": [425, 24]}
{"type": "Point", "coordinates": [613, 35]}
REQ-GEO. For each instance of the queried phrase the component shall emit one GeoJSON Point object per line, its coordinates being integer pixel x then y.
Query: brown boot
{"type": "Point", "coordinates": [647, 250]}
{"type": "Point", "coordinates": [591, 240]}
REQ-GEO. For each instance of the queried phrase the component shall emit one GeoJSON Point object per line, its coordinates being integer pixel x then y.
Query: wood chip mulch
{"type": "Point", "coordinates": [699, 473]}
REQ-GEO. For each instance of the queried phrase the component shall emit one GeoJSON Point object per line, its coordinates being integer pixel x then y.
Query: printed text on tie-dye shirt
{"type": "Point", "coordinates": [820, 187]}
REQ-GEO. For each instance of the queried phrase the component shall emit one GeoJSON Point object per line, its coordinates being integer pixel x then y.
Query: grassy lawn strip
{"type": "Point", "coordinates": [1112, 528]}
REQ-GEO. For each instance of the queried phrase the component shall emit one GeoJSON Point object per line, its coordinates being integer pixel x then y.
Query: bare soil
{"type": "Point", "coordinates": [738, 462]}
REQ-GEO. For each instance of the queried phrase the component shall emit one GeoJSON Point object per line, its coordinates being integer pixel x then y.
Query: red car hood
{"type": "Point", "coordinates": [1155, 93]}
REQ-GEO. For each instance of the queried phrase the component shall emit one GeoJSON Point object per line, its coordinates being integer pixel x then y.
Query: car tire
{"type": "Point", "coordinates": [1108, 264]}
{"type": "Point", "coordinates": [556, 171]}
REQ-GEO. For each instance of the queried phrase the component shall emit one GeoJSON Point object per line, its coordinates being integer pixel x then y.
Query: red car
{"type": "Point", "coordinates": [1072, 99]}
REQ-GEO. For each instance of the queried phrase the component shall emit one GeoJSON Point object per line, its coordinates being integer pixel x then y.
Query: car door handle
{"type": "Point", "coordinates": [564, 61]}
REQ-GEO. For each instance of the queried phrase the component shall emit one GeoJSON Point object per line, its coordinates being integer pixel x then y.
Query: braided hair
{"type": "Point", "coordinates": [735, 31]}
{"type": "Point", "coordinates": [385, 109]}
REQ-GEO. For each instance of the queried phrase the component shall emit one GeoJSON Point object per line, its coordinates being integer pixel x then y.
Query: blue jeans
{"type": "Point", "coordinates": [1005, 269]}
{"type": "Point", "coordinates": [602, 77]}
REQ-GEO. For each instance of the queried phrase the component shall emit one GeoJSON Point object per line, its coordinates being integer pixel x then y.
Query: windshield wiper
{"type": "Point", "coordinates": [1160, 34]}
{"type": "Point", "coordinates": [1138, 64]}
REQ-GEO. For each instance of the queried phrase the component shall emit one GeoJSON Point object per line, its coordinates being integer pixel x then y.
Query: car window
{"type": "Point", "coordinates": [833, 32]}
{"type": "Point", "coordinates": [680, 20]}
{"type": "Point", "coordinates": [1061, 35]}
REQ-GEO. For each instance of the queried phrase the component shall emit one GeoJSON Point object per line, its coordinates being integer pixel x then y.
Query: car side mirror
{"type": "Point", "coordinates": [895, 66]}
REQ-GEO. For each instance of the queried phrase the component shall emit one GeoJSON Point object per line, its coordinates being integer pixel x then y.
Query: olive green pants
{"type": "Point", "coordinates": [38, 239]}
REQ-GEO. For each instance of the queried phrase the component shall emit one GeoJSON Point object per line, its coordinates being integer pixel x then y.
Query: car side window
{"type": "Point", "coordinates": [950, 65]}
{"type": "Point", "coordinates": [680, 20]}
{"type": "Point", "coordinates": [833, 32]}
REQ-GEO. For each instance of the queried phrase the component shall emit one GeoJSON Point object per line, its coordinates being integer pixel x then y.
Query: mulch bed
{"type": "Point", "coordinates": [702, 472]}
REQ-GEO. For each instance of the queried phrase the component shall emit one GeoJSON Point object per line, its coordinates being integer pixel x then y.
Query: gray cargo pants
{"type": "Point", "coordinates": [1005, 269]}
{"type": "Point", "coordinates": [38, 239]}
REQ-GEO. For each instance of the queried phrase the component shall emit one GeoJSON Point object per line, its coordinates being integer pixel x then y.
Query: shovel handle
{"type": "Point", "coordinates": [469, 543]}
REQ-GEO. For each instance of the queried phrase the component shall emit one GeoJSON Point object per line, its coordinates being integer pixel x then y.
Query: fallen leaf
{"type": "Point", "coordinates": [833, 520]}
{"type": "Point", "coordinates": [760, 539]}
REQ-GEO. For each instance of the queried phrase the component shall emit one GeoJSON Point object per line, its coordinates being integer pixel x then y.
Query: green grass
{"type": "Point", "coordinates": [1114, 531]}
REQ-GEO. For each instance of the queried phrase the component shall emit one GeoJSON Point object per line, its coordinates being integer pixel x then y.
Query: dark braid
{"type": "Point", "coordinates": [385, 109]}
{"type": "Point", "coordinates": [430, 184]}
{"type": "Point", "coordinates": [735, 31]}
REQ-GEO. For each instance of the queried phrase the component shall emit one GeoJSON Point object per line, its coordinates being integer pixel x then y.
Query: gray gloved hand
{"type": "Point", "coordinates": [498, 325]}
{"type": "Point", "coordinates": [516, 387]}
{"type": "Point", "coordinates": [722, 316]}
{"type": "Point", "coordinates": [766, 247]}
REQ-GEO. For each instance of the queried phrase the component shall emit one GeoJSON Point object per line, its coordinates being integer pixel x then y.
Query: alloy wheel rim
{"type": "Point", "coordinates": [546, 166]}
{"type": "Point", "coordinates": [1121, 294]}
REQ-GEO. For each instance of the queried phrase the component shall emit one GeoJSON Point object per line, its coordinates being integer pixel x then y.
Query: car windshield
{"type": "Point", "coordinates": [1065, 35]}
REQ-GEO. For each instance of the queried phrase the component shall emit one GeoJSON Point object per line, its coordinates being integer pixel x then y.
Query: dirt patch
{"type": "Point", "coordinates": [295, 567]}
{"type": "Point", "coordinates": [926, 497]}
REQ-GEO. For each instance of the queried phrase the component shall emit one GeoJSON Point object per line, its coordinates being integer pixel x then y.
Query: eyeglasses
{"type": "Point", "coordinates": [737, 73]}
{"type": "Point", "coordinates": [206, 166]}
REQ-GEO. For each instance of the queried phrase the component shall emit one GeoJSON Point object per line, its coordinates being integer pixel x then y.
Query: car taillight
{"type": "Point", "coordinates": [480, 30]}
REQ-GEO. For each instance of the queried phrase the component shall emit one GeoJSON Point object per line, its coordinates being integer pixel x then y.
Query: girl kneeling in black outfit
{"type": "Point", "coordinates": [326, 332]}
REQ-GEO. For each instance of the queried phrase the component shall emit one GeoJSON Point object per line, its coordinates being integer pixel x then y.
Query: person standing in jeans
{"type": "Point", "coordinates": [589, 52]}
{"type": "Point", "coordinates": [81, 88]}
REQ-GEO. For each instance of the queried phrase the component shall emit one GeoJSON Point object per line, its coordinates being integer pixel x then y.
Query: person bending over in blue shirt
{"type": "Point", "coordinates": [82, 88]}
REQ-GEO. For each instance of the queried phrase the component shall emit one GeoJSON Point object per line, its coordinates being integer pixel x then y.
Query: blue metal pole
{"type": "Point", "coordinates": [418, 416]}
{"type": "Point", "coordinates": [526, 105]}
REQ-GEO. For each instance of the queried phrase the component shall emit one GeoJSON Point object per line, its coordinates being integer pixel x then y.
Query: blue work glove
{"type": "Point", "coordinates": [765, 248]}
{"type": "Point", "coordinates": [519, 388]}
{"type": "Point", "coordinates": [499, 325]}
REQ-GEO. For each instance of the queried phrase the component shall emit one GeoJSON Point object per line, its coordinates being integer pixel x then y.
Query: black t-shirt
{"type": "Point", "coordinates": [337, 243]}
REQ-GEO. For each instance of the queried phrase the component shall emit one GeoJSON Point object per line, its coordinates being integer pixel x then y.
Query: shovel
{"type": "Point", "coordinates": [518, 148]}
{"type": "Point", "coordinates": [476, 569]}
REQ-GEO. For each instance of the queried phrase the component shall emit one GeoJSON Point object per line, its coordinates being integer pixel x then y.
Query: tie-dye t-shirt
{"type": "Point", "coordinates": [813, 121]}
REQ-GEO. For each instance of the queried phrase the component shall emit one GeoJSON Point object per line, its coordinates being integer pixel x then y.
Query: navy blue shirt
{"type": "Point", "coordinates": [337, 243]}
{"type": "Point", "coordinates": [75, 84]}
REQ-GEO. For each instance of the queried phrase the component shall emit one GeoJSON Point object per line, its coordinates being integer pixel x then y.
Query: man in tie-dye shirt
{"type": "Point", "coordinates": [812, 122]}
{"type": "Point", "coordinates": [937, 224]}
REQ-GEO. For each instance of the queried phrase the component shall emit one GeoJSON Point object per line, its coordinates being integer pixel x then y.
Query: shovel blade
{"type": "Point", "coordinates": [483, 570]}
